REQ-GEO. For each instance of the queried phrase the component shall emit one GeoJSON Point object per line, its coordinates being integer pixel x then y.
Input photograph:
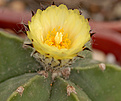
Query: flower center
{"type": "Point", "coordinates": [57, 39]}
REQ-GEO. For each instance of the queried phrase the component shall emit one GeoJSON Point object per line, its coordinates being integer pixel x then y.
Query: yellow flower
{"type": "Point", "coordinates": [58, 33]}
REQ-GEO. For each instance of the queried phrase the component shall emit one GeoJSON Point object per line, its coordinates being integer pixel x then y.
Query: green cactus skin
{"type": "Point", "coordinates": [59, 91]}
{"type": "Point", "coordinates": [36, 89]}
{"type": "Point", "coordinates": [97, 84]}
{"type": "Point", "coordinates": [17, 69]}
{"type": "Point", "coordinates": [14, 60]}
{"type": "Point", "coordinates": [9, 86]}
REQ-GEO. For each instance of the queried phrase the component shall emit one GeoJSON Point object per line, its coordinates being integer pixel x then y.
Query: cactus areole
{"type": "Point", "coordinates": [57, 35]}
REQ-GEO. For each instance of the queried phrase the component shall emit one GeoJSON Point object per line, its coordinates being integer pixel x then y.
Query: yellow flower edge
{"type": "Point", "coordinates": [58, 32]}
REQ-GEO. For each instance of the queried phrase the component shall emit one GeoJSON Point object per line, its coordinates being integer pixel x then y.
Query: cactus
{"type": "Point", "coordinates": [51, 78]}
{"type": "Point", "coordinates": [19, 70]}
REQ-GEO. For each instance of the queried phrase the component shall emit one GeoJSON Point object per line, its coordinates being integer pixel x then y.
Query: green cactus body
{"type": "Point", "coordinates": [19, 80]}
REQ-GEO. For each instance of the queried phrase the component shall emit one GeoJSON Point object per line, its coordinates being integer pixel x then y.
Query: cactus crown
{"type": "Point", "coordinates": [57, 35]}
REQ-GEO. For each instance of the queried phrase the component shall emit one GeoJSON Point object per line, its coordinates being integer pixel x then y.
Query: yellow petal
{"type": "Point", "coordinates": [73, 24]}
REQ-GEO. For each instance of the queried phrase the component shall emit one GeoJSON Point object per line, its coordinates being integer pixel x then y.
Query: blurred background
{"type": "Point", "coordinates": [105, 21]}
{"type": "Point", "coordinates": [98, 10]}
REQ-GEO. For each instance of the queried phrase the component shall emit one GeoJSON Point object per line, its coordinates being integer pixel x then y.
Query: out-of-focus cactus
{"type": "Point", "coordinates": [22, 78]}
